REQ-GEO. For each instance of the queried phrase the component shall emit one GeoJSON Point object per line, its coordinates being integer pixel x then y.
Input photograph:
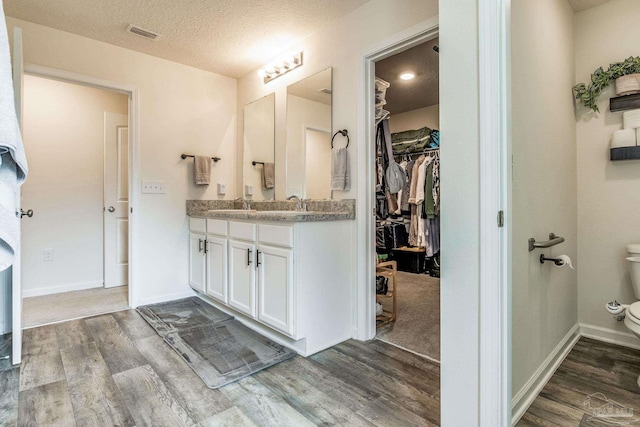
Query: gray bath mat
{"type": "Point", "coordinates": [219, 351]}
{"type": "Point", "coordinates": [181, 315]}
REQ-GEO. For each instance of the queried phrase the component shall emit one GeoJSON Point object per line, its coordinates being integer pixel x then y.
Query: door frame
{"type": "Point", "coordinates": [491, 372]}
{"type": "Point", "coordinates": [134, 138]}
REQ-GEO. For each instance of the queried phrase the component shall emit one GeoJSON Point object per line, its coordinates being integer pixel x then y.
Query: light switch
{"type": "Point", "coordinates": [222, 189]}
{"type": "Point", "coordinates": [248, 190]}
{"type": "Point", "coordinates": [153, 187]}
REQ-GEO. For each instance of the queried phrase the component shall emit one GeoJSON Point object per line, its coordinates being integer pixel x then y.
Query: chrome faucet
{"type": "Point", "coordinates": [299, 206]}
{"type": "Point", "coordinates": [246, 204]}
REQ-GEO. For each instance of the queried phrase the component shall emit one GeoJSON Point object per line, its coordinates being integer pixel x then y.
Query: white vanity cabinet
{"type": "Point", "coordinates": [197, 261]}
{"type": "Point", "coordinates": [208, 257]}
{"type": "Point", "coordinates": [290, 281]}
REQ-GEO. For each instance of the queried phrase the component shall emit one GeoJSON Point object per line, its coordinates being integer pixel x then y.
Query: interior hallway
{"type": "Point", "coordinates": [45, 309]}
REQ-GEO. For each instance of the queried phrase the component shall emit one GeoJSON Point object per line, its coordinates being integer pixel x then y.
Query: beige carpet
{"type": "Point", "coordinates": [72, 305]}
{"type": "Point", "coordinates": [417, 327]}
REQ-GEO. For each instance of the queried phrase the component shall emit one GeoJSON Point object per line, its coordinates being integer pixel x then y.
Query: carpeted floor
{"type": "Point", "coordinates": [417, 327]}
{"type": "Point", "coordinates": [46, 309]}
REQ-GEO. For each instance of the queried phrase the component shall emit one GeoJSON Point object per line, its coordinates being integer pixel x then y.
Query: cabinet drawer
{"type": "Point", "coordinates": [281, 235]}
{"type": "Point", "coordinates": [198, 225]}
{"type": "Point", "coordinates": [217, 226]}
{"type": "Point", "coordinates": [242, 230]}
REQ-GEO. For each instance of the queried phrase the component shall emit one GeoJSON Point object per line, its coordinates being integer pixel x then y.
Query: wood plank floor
{"type": "Point", "coordinates": [113, 369]}
{"type": "Point", "coordinates": [594, 386]}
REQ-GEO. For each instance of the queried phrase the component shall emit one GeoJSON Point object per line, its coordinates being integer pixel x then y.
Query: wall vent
{"type": "Point", "coordinates": [147, 34]}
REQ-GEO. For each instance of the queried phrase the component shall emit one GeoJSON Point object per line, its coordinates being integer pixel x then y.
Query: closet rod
{"type": "Point", "coordinates": [184, 156]}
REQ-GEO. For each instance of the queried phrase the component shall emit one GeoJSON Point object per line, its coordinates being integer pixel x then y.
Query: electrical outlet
{"type": "Point", "coordinates": [47, 254]}
{"type": "Point", "coordinates": [153, 187]}
{"type": "Point", "coordinates": [222, 189]}
{"type": "Point", "coordinates": [248, 190]}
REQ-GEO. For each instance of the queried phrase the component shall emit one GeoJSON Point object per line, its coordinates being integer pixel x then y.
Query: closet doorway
{"type": "Point", "coordinates": [75, 247]}
{"type": "Point", "coordinates": [407, 200]}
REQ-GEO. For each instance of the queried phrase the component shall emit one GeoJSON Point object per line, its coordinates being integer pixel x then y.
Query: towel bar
{"type": "Point", "coordinates": [257, 163]}
{"type": "Point", "coordinates": [184, 156]}
{"type": "Point", "coordinates": [553, 240]}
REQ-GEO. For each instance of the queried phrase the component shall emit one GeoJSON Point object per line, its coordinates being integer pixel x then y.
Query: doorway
{"type": "Point", "coordinates": [407, 226]}
{"type": "Point", "coordinates": [75, 247]}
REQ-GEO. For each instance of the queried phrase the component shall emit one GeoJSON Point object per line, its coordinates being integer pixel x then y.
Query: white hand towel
{"type": "Point", "coordinates": [202, 170]}
{"type": "Point", "coordinates": [623, 138]}
{"type": "Point", "coordinates": [340, 177]}
{"type": "Point", "coordinates": [631, 119]}
{"type": "Point", "coordinates": [13, 167]}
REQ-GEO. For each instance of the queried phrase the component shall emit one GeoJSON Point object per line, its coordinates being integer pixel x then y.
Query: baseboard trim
{"type": "Point", "coordinates": [164, 298]}
{"type": "Point", "coordinates": [28, 293]}
{"type": "Point", "coordinates": [528, 393]}
{"type": "Point", "coordinates": [624, 339]}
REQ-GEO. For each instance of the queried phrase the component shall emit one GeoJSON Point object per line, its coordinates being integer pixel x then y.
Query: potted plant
{"type": "Point", "coordinates": [600, 79]}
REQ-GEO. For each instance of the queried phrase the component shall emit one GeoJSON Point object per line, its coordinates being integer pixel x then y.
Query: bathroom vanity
{"type": "Point", "coordinates": [284, 273]}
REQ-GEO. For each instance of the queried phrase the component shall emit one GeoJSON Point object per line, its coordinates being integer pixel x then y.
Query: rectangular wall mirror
{"type": "Point", "coordinates": [258, 168]}
{"type": "Point", "coordinates": [309, 137]}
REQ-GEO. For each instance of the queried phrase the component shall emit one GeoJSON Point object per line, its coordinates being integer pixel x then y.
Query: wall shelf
{"type": "Point", "coordinates": [626, 102]}
{"type": "Point", "coordinates": [625, 153]}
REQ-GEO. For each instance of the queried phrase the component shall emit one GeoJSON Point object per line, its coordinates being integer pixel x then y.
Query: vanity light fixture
{"type": "Point", "coordinates": [281, 68]}
{"type": "Point", "coordinates": [407, 76]}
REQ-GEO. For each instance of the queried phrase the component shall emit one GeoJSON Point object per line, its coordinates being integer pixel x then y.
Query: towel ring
{"type": "Point", "coordinates": [342, 132]}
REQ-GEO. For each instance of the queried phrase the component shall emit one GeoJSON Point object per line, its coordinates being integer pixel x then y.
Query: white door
{"type": "Point", "coordinates": [317, 164]}
{"type": "Point", "coordinates": [216, 255]}
{"type": "Point", "coordinates": [116, 200]}
{"type": "Point", "coordinates": [16, 269]}
{"type": "Point", "coordinates": [275, 287]}
{"type": "Point", "coordinates": [197, 264]}
{"type": "Point", "coordinates": [242, 277]}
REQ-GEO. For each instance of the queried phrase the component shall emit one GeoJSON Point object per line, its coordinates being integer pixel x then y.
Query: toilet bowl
{"type": "Point", "coordinates": [631, 313]}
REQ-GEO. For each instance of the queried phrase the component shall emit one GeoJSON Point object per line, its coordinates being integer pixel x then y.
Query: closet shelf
{"type": "Point", "coordinates": [625, 102]}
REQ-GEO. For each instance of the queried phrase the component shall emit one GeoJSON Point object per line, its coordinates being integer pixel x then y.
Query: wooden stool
{"type": "Point", "coordinates": [387, 269]}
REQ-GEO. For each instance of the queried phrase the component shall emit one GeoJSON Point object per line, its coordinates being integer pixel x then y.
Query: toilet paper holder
{"type": "Point", "coordinates": [553, 240]}
{"type": "Point", "coordinates": [556, 261]}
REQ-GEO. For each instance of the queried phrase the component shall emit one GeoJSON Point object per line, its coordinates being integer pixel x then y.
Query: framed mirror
{"type": "Point", "coordinates": [258, 164]}
{"type": "Point", "coordinates": [309, 137]}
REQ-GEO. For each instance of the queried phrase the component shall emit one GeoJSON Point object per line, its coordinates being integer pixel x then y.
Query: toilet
{"type": "Point", "coordinates": [630, 313]}
{"type": "Point", "coordinates": [632, 318]}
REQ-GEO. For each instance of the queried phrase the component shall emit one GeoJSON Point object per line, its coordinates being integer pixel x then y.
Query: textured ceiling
{"type": "Point", "coordinates": [420, 92]}
{"type": "Point", "coordinates": [580, 5]}
{"type": "Point", "coordinates": [229, 37]}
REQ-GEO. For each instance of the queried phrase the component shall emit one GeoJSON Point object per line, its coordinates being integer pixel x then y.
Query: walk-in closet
{"type": "Point", "coordinates": [407, 195]}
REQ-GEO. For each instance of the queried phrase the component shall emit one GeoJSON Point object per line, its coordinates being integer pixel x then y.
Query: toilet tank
{"type": "Point", "coordinates": [633, 258]}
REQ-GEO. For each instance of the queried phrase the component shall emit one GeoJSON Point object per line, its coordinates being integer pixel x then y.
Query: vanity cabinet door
{"type": "Point", "coordinates": [197, 264]}
{"type": "Point", "coordinates": [275, 294]}
{"type": "Point", "coordinates": [216, 259]}
{"type": "Point", "coordinates": [242, 277]}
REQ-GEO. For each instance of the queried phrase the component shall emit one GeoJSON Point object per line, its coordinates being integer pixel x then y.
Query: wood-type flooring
{"type": "Point", "coordinates": [594, 386]}
{"type": "Point", "coordinates": [113, 369]}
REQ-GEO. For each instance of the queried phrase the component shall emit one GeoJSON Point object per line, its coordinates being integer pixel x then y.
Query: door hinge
{"type": "Point", "coordinates": [500, 219]}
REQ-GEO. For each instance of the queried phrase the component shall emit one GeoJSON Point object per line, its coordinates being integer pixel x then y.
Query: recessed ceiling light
{"type": "Point", "coordinates": [407, 76]}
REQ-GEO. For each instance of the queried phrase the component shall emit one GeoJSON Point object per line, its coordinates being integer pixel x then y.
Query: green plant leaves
{"type": "Point", "coordinates": [601, 78]}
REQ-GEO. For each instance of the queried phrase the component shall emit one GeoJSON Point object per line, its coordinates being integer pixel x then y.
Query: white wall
{"type": "Point", "coordinates": [64, 141]}
{"type": "Point", "coordinates": [370, 23]}
{"type": "Point", "coordinates": [182, 110]}
{"type": "Point", "coordinates": [460, 227]}
{"type": "Point", "coordinates": [608, 196]}
{"type": "Point", "coordinates": [416, 119]}
{"type": "Point", "coordinates": [544, 180]}
{"type": "Point", "coordinates": [302, 113]}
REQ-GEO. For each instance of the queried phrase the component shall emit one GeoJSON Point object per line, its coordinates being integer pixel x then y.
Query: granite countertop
{"type": "Point", "coordinates": [279, 211]}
